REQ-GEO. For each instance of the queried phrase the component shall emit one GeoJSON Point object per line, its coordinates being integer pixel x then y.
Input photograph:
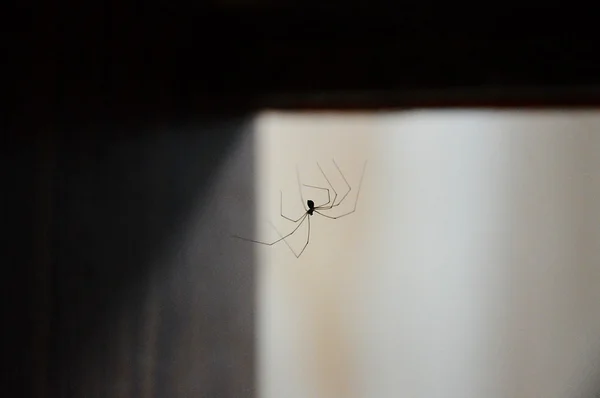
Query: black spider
{"type": "Point", "coordinates": [310, 209]}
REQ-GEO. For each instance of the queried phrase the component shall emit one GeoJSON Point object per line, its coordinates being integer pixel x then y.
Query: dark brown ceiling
{"type": "Point", "coordinates": [116, 61]}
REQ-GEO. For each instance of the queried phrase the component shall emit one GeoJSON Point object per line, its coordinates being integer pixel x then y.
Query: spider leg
{"type": "Point", "coordinates": [307, 239]}
{"type": "Point", "coordinates": [346, 181]}
{"type": "Point", "coordinates": [290, 246]}
{"type": "Point", "coordinates": [281, 209]}
{"type": "Point", "coordinates": [324, 189]}
{"type": "Point", "coordinates": [324, 206]}
{"type": "Point", "coordinates": [303, 218]}
{"type": "Point", "coordinates": [285, 241]}
{"type": "Point", "coordinates": [355, 202]}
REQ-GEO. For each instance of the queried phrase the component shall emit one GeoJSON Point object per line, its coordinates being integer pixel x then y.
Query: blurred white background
{"type": "Point", "coordinates": [471, 267]}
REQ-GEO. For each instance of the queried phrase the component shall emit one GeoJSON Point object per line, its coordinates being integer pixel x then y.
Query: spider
{"type": "Point", "coordinates": [310, 208]}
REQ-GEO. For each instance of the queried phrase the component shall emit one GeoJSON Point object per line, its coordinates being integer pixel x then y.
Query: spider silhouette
{"type": "Point", "coordinates": [311, 209]}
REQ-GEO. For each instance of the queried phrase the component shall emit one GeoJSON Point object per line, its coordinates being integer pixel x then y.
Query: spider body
{"type": "Point", "coordinates": [310, 209]}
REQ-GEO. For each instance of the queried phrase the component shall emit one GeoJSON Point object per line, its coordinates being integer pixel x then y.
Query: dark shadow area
{"type": "Point", "coordinates": [173, 60]}
{"type": "Point", "coordinates": [127, 282]}
{"type": "Point", "coordinates": [121, 207]}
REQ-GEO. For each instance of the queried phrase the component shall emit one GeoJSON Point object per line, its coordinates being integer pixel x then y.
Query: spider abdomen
{"type": "Point", "coordinates": [311, 207]}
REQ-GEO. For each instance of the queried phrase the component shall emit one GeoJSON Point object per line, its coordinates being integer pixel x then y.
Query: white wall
{"type": "Point", "coordinates": [471, 267]}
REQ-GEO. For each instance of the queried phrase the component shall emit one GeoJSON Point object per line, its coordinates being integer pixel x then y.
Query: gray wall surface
{"type": "Point", "coordinates": [140, 292]}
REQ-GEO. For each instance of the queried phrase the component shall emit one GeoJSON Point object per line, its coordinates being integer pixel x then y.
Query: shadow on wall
{"type": "Point", "coordinates": [136, 289]}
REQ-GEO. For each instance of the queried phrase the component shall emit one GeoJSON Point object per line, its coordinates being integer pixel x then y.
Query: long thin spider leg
{"type": "Point", "coordinates": [355, 203]}
{"type": "Point", "coordinates": [307, 239]}
{"type": "Point", "coordinates": [290, 246]}
{"type": "Point", "coordinates": [281, 209]}
{"type": "Point", "coordinates": [346, 181]}
{"type": "Point", "coordinates": [300, 189]}
{"type": "Point", "coordinates": [284, 241]}
{"type": "Point", "coordinates": [332, 188]}
{"type": "Point", "coordinates": [325, 189]}
{"type": "Point", "coordinates": [278, 240]}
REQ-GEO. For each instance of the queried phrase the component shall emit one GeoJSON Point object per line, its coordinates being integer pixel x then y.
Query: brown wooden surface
{"type": "Point", "coordinates": [122, 64]}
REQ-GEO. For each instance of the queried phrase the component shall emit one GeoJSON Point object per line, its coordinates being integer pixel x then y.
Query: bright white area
{"type": "Point", "coordinates": [471, 267]}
